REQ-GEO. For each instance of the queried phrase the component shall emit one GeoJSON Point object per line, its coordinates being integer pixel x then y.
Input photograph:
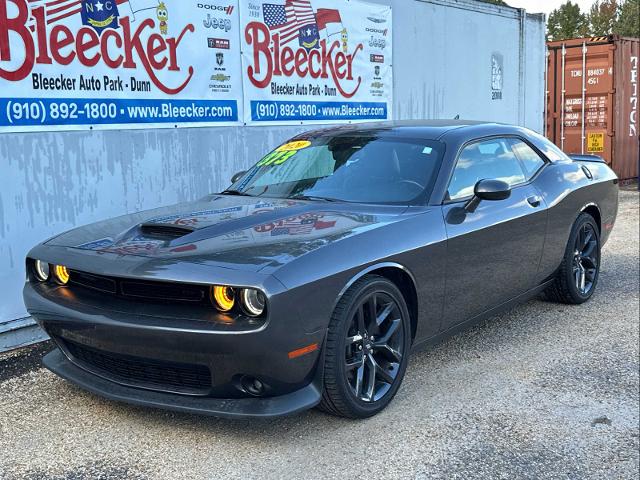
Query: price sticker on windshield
{"type": "Point", "coordinates": [283, 153]}
{"type": "Point", "coordinates": [293, 146]}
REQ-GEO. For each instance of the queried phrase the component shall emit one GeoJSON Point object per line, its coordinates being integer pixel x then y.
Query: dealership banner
{"type": "Point", "coordinates": [76, 64]}
{"type": "Point", "coordinates": [315, 61]}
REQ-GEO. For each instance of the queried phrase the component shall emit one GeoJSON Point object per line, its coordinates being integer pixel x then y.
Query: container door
{"type": "Point", "coordinates": [580, 98]}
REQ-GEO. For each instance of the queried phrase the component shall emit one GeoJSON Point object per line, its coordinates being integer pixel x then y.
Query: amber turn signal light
{"type": "Point", "coordinates": [223, 297]}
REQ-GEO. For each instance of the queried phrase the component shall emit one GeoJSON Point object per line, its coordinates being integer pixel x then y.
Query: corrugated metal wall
{"type": "Point", "coordinates": [52, 182]}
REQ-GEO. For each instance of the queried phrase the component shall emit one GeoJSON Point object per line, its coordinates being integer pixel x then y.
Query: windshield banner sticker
{"type": "Point", "coordinates": [315, 61]}
{"type": "Point", "coordinates": [79, 64]}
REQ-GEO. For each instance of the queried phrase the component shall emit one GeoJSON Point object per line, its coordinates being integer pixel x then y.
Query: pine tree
{"type": "Point", "coordinates": [567, 21]}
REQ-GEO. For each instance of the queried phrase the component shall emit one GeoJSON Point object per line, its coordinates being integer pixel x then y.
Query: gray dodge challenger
{"type": "Point", "coordinates": [312, 278]}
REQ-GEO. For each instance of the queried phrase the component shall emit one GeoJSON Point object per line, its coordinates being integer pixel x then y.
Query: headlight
{"type": "Point", "coordinates": [41, 270]}
{"type": "Point", "coordinates": [253, 302]}
{"type": "Point", "coordinates": [61, 274]}
{"type": "Point", "coordinates": [223, 297]}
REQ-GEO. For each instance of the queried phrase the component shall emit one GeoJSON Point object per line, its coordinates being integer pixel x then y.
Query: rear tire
{"type": "Point", "coordinates": [367, 349]}
{"type": "Point", "coordinates": [577, 277]}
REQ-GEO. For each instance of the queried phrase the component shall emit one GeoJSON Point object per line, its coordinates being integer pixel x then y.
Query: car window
{"type": "Point", "coordinates": [531, 161]}
{"type": "Point", "coordinates": [489, 159]}
{"type": "Point", "coordinates": [361, 168]}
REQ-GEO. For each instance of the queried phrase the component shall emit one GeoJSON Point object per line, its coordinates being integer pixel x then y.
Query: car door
{"type": "Point", "coordinates": [494, 251]}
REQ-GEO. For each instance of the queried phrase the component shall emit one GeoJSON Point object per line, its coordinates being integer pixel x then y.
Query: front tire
{"type": "Point", "coordinates": [578, 274]}
{"type": "Point", "coordinates": [367, 349]}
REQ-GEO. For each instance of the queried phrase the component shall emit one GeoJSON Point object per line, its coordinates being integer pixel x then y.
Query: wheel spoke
{"type": "Point", "coordinates": [359, 378]}
{"type": "Point", "coordinates": [384, 314]}
{"type": "Point", "coordinates": [588, 234]}
{"type": "Point", "coordinates": [382, 373]}
{"type": "Point", "coordinates": [589, 249]}
{"type": "Point", "coordinates": [356, 338]}
{"type": "Point", "coordinates": [389, 351]}
{"type": "Point", "coordinates": [583, 278]}
{"type": "Point", "coordinates": [393, 328]}
{"type": "Point", "coordinates": [371, 380]}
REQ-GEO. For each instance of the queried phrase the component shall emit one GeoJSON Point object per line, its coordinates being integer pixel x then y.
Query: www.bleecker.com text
{"type": "Point", "coordinates": [89, 83]}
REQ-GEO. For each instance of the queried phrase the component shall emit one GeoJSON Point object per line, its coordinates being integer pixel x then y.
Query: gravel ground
{"type": "Point", "coordinates": [544, 391]}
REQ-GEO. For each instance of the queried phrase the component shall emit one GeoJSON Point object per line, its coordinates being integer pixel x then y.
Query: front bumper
{"type": "Point", "coordinates": [303, 399]}
{"type": "Point", "coordinates": [185, 364]}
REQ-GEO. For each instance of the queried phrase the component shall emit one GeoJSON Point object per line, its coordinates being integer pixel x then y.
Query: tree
{"type": "Point", "coordinates": [628, 22]}
{"type": "Point", "coordinates": [567, 21]}
{"type": "Point", "coordinates": [496, 2]}
{"type": "Point", "coordinates": [602, 17]}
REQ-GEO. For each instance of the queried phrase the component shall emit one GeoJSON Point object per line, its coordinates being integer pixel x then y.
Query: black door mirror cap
{"type": "Point", "coordinates": [488, 190]}
{"type": "Point", "coordinates": [238, 176]}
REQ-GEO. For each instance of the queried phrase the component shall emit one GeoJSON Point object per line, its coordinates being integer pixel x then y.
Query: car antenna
{"type": "Point", "coordinates": [457, 117]}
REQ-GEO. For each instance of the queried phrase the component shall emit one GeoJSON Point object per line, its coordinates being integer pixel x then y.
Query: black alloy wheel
{"type": "Point", "coordinates": [374, 347]}
{"type": "Point", "coordinates": [585, 259]}
{"type": "Point", "coordinates": [577, 276]}
{"type": "Point", "coordinates": [367, 349]}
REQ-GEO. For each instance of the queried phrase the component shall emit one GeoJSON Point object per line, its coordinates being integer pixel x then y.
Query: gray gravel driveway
{"type": "Point", "coordinates": [544, 391]}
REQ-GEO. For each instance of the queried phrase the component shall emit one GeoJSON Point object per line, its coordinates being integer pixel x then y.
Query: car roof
{"type": "Point", "coordinates": [423, 129]}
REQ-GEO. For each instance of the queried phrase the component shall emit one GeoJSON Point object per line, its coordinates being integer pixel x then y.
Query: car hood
{"type": "Point", "coordinates": [235, 232]}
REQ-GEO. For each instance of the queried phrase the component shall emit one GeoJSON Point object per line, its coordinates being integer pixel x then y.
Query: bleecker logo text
{"type": "Point", "coordinates": [122, 48]}
{"type": "Point", "coordinates": [328, 60]}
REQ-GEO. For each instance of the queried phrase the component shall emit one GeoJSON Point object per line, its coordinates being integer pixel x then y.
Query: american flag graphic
{"type": "Point", "coordinates": [288, 19]}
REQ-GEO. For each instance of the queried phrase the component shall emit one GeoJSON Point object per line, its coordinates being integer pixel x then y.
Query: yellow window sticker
{"type": "Point", "coordinates": [595, 142]}
{"type": "Point", "coordinates": [293, 146]}
{"type": "Point", "coordinates": [283, 153]}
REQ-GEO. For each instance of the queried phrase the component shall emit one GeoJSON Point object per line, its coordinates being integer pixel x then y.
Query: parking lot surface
{"type": "Point", "coordinates": [543, 391]}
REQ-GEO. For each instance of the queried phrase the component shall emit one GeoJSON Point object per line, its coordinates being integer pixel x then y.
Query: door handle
{"type": "Point", "coordinates": [534, 200]}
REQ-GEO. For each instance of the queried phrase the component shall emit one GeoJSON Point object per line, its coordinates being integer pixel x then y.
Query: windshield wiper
{"type": "Point", "coordinates": [314, 197]}
{"type": "Point", "coordinates": [235, 192]}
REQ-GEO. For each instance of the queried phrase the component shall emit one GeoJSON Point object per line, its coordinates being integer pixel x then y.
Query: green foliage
{"type": "Point", "coordinates": [602, 17]}
{"type": "Point", "coordinates": [496, 2]}
{"type": "Point", "coordinates": [628, 21]}
{"type": "Point", "coordinates": [567, 21]}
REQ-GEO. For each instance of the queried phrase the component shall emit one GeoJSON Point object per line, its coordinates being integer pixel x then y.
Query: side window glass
{"type": "Point", "coordinates": [531, 161]}
{"type": "Point", "coordinates": [490, 159]}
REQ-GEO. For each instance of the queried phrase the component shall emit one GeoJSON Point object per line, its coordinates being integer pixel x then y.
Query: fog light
{"type": "Point", "coordinates": [252, 385]}
{"type": "Point", "coordinates": [253, 301]}
{"type": "Point", "coordinates": [223, 297]}
{"type": "Point", "coordinates": [61, 274]}
{"type": "Point", "coordinates": [41, 270]}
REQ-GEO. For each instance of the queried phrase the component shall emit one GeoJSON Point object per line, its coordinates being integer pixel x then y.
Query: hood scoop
{"type": "Point", "coordinates": [165, 231]}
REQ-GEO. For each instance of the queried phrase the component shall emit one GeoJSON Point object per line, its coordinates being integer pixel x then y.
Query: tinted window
{"type": "Point", "coordinates": [354, 169]}
{"type": "Point", "coordinates": [531, 161]}
{"type": "Point", "coordinates": [490, 159]}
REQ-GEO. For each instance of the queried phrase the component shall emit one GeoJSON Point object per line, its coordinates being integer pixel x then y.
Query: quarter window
{"type": "Point", "coordinates": [531, 161]}
{"type": "Point", "coordinates": [490, 159]}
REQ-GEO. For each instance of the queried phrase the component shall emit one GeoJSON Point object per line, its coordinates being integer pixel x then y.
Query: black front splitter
{"type": "Point", "coordinates": [303, 399]}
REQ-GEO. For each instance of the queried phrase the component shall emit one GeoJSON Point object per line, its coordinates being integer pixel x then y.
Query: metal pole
{"type": "Point", "coordinates": [584, 89]}
{"type": "Point", "coordinates": [564, 52]}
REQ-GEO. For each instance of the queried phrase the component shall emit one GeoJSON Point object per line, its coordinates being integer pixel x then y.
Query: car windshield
{"type": "Point", "coordinates": [365, 169]}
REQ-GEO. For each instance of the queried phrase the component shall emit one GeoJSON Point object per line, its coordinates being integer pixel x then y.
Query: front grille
{"type": "Point", "coordinates": [143, 372]}
{"type": "Point", "coordinates": [163, 292]}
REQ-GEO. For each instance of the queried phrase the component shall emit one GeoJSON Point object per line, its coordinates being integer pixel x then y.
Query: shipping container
{"type": "Point", "coordinates": [592, 99]}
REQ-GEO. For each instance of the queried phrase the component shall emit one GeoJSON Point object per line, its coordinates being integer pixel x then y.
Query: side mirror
{"type": "Point", "coordinates": [238, 176]}
{"type": "Point", "coordinates": [488, 190]}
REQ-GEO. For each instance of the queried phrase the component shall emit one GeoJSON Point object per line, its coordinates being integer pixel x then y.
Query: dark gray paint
{"type": "Point", "coordinates": [463, 265]}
